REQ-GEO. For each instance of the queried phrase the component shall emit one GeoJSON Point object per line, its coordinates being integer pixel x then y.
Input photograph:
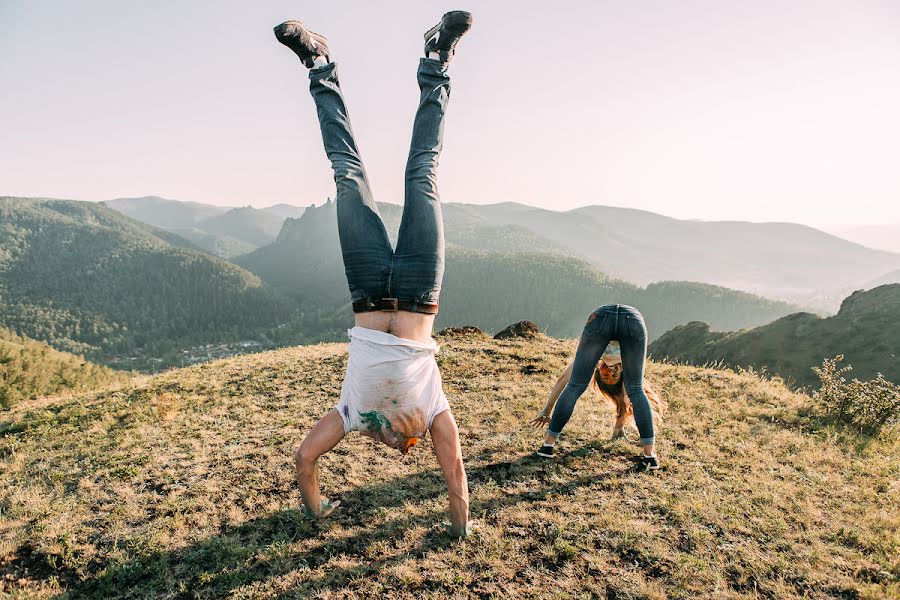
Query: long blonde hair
{"type": "Point", "coordinates": [615, 395]}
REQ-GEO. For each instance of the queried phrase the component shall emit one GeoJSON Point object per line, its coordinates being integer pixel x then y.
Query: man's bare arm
{"type": "Point", "coordinates": [445, 437]}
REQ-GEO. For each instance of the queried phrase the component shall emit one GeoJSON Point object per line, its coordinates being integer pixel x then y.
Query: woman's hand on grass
{"type": "Point", "coordinates": [540, 420]}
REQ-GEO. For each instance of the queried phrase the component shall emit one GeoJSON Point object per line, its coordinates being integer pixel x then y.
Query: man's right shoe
{"type": "Point", "coordinates": [545, 451]}
{"type": "Point", "coordinates": [306, 44]}
{"type": "Point", "coordinates": [443, 37]}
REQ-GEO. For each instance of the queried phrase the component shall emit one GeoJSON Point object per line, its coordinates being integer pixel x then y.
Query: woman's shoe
{"type": "Point", "coordinates": [545, 451]}
{"type": "Point", "coordinates": [649, 463]}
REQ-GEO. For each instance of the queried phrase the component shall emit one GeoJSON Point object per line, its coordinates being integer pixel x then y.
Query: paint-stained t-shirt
{"type": "Point", "coordinates": [392, 388]}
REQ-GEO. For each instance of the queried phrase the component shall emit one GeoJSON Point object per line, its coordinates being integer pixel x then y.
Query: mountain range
{"type": "Point", "coordinates": [782, 261]}
{"type": "Point", "coordinates": [492, 287]}
{"type": "Point", "coordinates": [221, 231]}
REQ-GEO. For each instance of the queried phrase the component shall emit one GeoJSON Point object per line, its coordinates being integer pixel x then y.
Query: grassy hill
{"type": "Point", "coordinates": [182, 486]}
{"type": "Point", "coordinates": [89, 280]}
{"type": "Point", "coordinates": [29, 369]}
{"type": "Point", "coordinates": [866, 331]}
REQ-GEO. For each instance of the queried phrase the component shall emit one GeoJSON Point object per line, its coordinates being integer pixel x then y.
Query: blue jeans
{"type": "Point", "coordinates": [414, 271]}
{"type": "Point", "coordinates": [607, 323]}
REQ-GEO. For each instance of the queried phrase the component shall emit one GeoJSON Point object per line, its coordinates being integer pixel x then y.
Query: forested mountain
{"type": "Point", "coordinates": [866, 331]}
{"type": "Point", "coordinates": [29, 369]}
{"type": "Point", "coordinates": [91, 281]}
{"type": "Point", "coordinates": [493, 289]}
{"type": "Point", "coordinates": [223, 246]}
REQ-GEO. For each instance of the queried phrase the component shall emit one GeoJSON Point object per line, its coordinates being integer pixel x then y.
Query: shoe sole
{"type": "Point", "coordinates": [544, 455]}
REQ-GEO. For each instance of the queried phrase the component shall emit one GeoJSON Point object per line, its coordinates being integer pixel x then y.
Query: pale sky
{"type": "Point", "coordinates": [721, 109]}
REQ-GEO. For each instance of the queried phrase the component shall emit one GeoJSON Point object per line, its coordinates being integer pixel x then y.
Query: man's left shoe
{"type": "Point", "coordinates": [306, 44]}
{"type": "Point", "coordinates": [443, 37]}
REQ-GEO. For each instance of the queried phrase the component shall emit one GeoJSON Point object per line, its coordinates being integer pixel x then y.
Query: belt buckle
{"type": "Point", "coordinates": [393, 303]}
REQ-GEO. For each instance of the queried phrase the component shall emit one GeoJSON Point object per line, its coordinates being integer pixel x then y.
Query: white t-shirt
{"type": "Point", "coordinates": [392, 388]}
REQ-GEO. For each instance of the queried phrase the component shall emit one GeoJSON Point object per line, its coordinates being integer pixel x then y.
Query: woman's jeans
{"type": "Point", "coordinates": [607, 323]}
{"type": "Point", "coordinates": [413, 272]}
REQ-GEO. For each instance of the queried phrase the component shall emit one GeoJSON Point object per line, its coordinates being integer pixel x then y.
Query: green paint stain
{"type": "Point", "coordinates": [375, 421]}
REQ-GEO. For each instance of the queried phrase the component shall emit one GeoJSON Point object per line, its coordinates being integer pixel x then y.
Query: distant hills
{"type": "Point", "coordinates": [89, 280]}
{"type": "Point", "coordinates": [777, 260]}
{"type": "Point", "coordinates": [880, 237]}
{"type": "Point", "coordinates": [29, 369]}
{"type": "Point", "coordinates": [501, 280]}
{"type": "Point", "coordinates": [783, 261]}
{"type": "Point", "coordinates": [215, 229]}
{"type": "Point", "coordinates": [866, 331]}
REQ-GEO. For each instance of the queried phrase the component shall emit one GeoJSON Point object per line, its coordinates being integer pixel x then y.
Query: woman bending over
{"type": "Point", "coordinates": [611, 355]}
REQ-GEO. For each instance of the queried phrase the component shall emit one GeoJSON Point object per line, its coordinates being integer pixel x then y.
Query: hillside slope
{"type": "Point", "coordinates": [89, 280]}
{"type": "Point", "coordinates": [29, 369]}
{"type": "Point", "coordinates": [866, 331]}
{"type": "Point", "coordinates": [182, 486]}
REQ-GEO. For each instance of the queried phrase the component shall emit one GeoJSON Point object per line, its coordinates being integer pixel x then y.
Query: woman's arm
{"type": "Point", "coordinates": [544, 416]}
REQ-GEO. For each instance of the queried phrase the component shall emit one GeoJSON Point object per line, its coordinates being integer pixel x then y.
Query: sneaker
{"type": "Point", "coordinates": [443, 37]}
{"type": "Point", "coordinates": [648, 463]}
{"type": "Point", "coordinates": [305, 43]}
{"type": "Point", "coordinates": [545, 451]}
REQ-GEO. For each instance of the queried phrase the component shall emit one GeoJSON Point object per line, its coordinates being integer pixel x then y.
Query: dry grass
{"type": "Point", "coordinates": [181, 486]}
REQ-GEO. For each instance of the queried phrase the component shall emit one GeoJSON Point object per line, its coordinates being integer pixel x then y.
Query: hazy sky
{"type": "Point", "coordinates": [719, 109]}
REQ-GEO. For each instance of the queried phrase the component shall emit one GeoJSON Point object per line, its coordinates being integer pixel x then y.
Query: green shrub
{"type": "Point", "coordinates": [868, 405]}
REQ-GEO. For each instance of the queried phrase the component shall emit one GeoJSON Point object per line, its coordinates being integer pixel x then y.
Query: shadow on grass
{"type": "Point", "coordinates": [266, 547]}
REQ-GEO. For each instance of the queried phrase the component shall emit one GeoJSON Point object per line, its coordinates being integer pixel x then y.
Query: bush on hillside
{"type": "Point", "coordinates": [869, 405]}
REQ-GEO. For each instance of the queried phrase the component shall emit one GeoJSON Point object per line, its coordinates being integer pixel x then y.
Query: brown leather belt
{"type": "Point", "coordinates": [393, 305]}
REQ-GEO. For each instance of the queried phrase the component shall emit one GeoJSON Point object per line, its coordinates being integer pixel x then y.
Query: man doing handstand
{"type": "Point", "coordinates": [392, 387]}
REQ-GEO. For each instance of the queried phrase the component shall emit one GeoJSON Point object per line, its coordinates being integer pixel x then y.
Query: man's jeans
{"type": "Point", "coordinates": [607, 323]}
{"type": "Point", "coordinates": [413, 272]}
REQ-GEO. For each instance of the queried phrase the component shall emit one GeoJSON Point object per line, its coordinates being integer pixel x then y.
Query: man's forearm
{"type": "Point", "coordinates": [458, 490]}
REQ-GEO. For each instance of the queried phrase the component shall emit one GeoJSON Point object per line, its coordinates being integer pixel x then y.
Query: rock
{"type": "Point", "coordinates": [465, 331]}
{"type": "Point", "coordinates": [522, 329]}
